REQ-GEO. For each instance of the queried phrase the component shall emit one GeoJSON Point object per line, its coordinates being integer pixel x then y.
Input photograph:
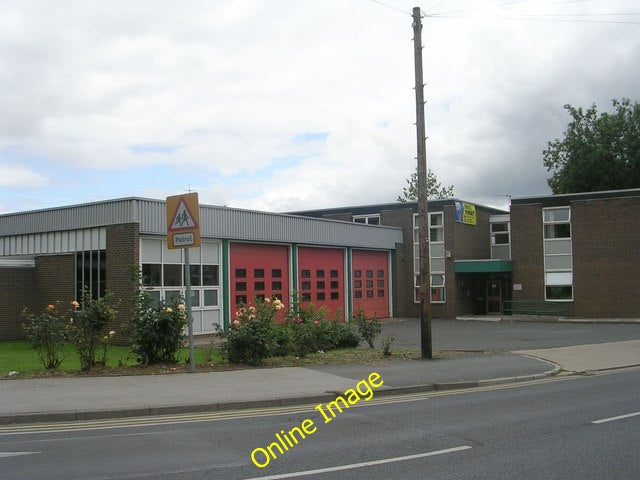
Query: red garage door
{"type": "Point", "coordinates": [371, 282]}
{"type": "Point", "coordinates": [321, 278]}
{"type": "Point", "coordinates": [258, 271]}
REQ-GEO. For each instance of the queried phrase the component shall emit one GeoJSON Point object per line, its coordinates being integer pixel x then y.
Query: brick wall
{"type": "Point", "coordinates": [123, 250]}
{"type": "Point", "coordinates": [54, 280]}
{"type": "Point", "coordinates": [527, 251]}
{"type": "Point", "coordinates": [469, 242]}
{"type": "Point", "coordinates": [606, 257]}
{"type": "Point", "coordinates": [403, 295]}
{"type": "Point", "coordinates": [17, 287]}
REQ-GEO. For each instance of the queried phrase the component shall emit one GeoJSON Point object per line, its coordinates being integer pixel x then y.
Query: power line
{"type": "Point", "coordinates": [390, 6]}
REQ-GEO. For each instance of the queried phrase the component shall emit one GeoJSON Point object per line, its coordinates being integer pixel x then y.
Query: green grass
{"type": "Point", "coordinates": [20, 357]}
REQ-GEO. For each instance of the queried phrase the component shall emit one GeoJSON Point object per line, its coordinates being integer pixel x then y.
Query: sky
{"type": "Point", "coordinates": [282, 105]}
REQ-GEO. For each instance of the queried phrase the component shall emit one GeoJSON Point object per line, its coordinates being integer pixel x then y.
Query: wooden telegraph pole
{"type": "Point", "coordinates": [423, 238]}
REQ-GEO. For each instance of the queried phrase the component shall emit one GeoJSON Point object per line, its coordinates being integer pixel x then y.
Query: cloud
{"type": "Point", "coordinates": [288, 105]}
{"type": "Point", "coordinates": [13, 176]}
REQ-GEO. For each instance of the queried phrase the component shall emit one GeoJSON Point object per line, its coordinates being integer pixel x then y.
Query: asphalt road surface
{"type": "Point", "coordinates": [508, 336]}
{"type": "Point", "coordinates": [540, 430]}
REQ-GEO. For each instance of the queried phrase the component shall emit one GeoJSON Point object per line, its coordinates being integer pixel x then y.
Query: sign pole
{"type": "Point", "coordinates": [183, 231]}
{"type": "Point", "coordinates": [187, 283]}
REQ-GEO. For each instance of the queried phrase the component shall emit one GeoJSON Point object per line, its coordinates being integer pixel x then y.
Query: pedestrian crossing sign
{"type": "Point", "coordinates": [183, 222]}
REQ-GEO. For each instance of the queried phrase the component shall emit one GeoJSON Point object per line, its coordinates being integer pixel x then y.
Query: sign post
{"type": "Point", "coordinates": [183, 231]}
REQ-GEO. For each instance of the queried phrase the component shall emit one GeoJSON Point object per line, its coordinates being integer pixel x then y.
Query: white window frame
{"type": "Point", "coordinates": [416, 259]}
{"type": "Point", "coordinates": [547, 242]}
{"type": "Point", "coordinates": [196, 290]}
{"type": "Point", "coordinates": [367, 219]}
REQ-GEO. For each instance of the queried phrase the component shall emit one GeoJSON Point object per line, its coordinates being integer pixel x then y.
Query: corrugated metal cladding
{"type": "Point", "coordinates": [54, 242]}
{"type": "Point", "coordinates": [215, 222]}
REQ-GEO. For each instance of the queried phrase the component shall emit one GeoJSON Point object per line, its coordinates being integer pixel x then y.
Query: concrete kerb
{"type": "Point", "coordinates": [72, 416]}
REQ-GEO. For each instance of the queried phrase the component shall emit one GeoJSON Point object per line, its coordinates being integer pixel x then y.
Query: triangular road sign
{"type": "Point", "coordinates": [183, 219]}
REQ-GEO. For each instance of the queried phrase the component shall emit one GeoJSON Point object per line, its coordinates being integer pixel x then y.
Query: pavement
{"type": "Point", "coordinates": [84, 398]}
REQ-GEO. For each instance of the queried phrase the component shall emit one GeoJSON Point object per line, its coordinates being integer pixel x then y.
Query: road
{"type": "Point", "coordinates": [508, 336]}
{"type": "Point", "coordinates": [539, 430]}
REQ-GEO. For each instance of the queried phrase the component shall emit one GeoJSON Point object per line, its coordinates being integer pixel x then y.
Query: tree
{"type": "Point", "coordinates": [434, 188]}
{"type": "Point", "coordinates": [598, 152]}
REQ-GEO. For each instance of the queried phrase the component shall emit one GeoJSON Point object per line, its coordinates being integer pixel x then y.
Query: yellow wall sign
{"type": "Point", "coordinates": [465, 213]}
{"type": "Point", "coordinates": [183, 221]}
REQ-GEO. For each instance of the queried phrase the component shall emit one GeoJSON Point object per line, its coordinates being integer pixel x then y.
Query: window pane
{"type": "Point", "coordinates": [258, 273]}
{"type": "Point", "coordinates": [380, 293]}
{"type": "Point", "coordinates": [276, 273]}
{"type": "Point", "coordinates": [437, 280]}
{"type": "Point", "coordinates": [241, 300]}
{"type": "Point", "coordinates": [369, 283]}
{"type": "Point", "coordinates": [557, 215]}
{"type": "Point", "coordinates": [357, 294]}
{"type": "Point", "coordinates": [320, 273]}
{"type": "Point", "coordinates": [558, 246]}
{"type": "Point", "coordinates": [210, 275]}
{"type": "Point", "coordinates": [334, 273]}
{"type": "Point", "coordinates": [435, 219]}
{"type": "Point", "coordinates": [560, 230]}
{"type": "Point", "coordinates": [360, 220]}
{"type": "Point", "coordinates": [258, 286]}
{"type": "Point", "coordinates": [151, 274]}
{"type": "Point", "coordinates": [320, 296]}
{"type": "Point", "coordinates": [195, 275]}
{"type": "Point", "coordinates": [357, 284]}
{"type": "Point", "coordinates": [357, 273]}
{"type": "Point", "coordinates": [335, 296]}
{"type": "Point", "coordinates": [306, 297]}
{"type": "Point", "coordinates": [306, 274]}
{"type": "Point", "coordinates": [151, 251]}
{"type": "Point", "coordinates": [172, 275]}
{"type": "Point", "coordinates": [210, 298]}
{"type": "Point", "coordinates": [435, 235]}
{"type": "Point", "coordinates": [369, 293]}
{"type": "Point", "coordinates": [335, 284]}
{"type": "Point", "coordinates": [320, 285]}
{"type": "Point", "coordinates": [499, 227]}
{"type": "Point", "coordinates": [436, 251]}
{"type": "Point", "coordinates": [501, 239]}
{"type": "Point", "coordinates": [241, 286]}
{"type": "Point", "coordinates": [369, 273]}
{"type": "Point", "coordinates": [154, 295]}
{"type": "Point", "coordinates": [195, 298]}
{"type": "Point", "coordinates": [306, 285]}
{"type": "Point", "coordinates": [557, 262]}
{"type": "Point", "coordinates": [374, 220]}
{"type": "Point", "coordinates": [559, 278]}
{"type": "Point", "coordinates": [171, 296]}
{"type": "Point", "coordinates": [437, 264]}
{"type": "Point", "coordinates": [276, 286]}
{"type": "Point", "coordinates": [437, 294]}
{"type": "Point", "coordinates": [241, 272]}
{"type": "Point", "coordinates": [559, 293]}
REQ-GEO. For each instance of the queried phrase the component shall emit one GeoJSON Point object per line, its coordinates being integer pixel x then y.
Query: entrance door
{"type": "Point", "coordinates": [494, 297]}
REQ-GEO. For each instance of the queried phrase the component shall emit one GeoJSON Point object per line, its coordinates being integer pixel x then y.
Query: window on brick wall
{"type": "Point", "coordinates": [163, 278]}
{"type": "Point", "coordinates": [436, 260]}
{"type": "Point", "coordinates": [367, 219]}
{"type": "Point", "coordinates": [91, 273]}
{"type": "Point", "coordinates": [558, 258]}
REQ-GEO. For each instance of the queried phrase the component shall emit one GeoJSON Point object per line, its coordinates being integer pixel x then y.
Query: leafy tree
{"type": "Point", "coordinates": [598, 152]}
{"type": "Point", "coordinates": [434, 188]}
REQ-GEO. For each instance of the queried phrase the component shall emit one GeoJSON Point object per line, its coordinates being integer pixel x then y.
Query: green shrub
{"type": "Point", "coordinates": [87, 328]}
{"type": "Point", "coordinates": [369, 328]}
{"type": "Point", "coordinates": [254, 335]}
{"type": "Point", "coordinates": [47, 333]}
{"type": "Point", "coordinates": [387, 340]}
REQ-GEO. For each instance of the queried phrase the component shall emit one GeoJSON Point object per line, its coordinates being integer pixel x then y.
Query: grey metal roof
{"type": "Point", "coordinates": [215, 222]}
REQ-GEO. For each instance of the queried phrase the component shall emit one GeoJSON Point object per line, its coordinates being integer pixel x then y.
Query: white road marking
{"type": "Point", "coordinates": [363, 464]}
{"type": "Point", "coordinates": [613, 419]}
{"type": "Point", "coordinates": [16, 454]}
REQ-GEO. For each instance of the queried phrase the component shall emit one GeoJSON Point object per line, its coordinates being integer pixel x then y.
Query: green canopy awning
{"type": "Point", "coordinates": [483, 266]}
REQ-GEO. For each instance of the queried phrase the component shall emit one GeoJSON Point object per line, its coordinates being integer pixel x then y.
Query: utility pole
{"type": "Point", "coordinates": [423, 219]}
